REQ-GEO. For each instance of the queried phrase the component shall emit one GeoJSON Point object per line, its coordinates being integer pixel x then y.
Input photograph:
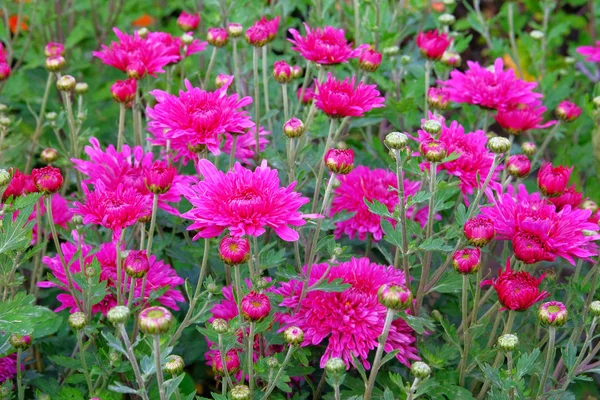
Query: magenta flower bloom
{"type": "Point", "coordinates": [159, 276]}
{"type": "Point", "coordinates": [553, 313]}
{"type": "Point", "coordinates": [255, 306]}
{"type": "Point", "coordinates": [479, 231]}
{"type": "Point", "coordinates": [570, 197]}
{"type": "Point", "coordinates": [324, 46]}
{"type": "Point", "coordinates": [339, 161]}
{"type": "Point", "coordinates": [592, 53]}
{"type": "Point", "coordinates": [474, 156]}
{"type": "Point", "coordinates": [47, 180]}
{"type": "Point", "coordinates": [518, 165]}
{"type": "Point", "coordinates": [244, 202]}
{"type": "Point", "coordinates": [365, 184]}
{"type": "Point", "coordinates": [282, 72]}
{"type": "Point", "coordinates": [124, 91]}
{"type": "Point", "coordinates": [246, 144]}
{"type": "Point", "coordinates": [127, 167]}
{"type": "Point", "coordinates": [309, 94]}
{"type": "Point", "coordinates": [159, 177]}
{"type": "Point", "coordinates": [523, 118]}
{"type": "Point", "coordinates": [114, 209]}
{"type": "Point", "coordinates": [232, 362]}
{"type": "Point", "coordinates": [131, 50]}
{"type": "Point", "coordinates": [20, 185]}
{"type": "Point", "coordinates": [54, 49]}
{"type": "Point", "coordinates": [8, 367]}
{"type": "Point", "coordinates": [553, 181]}
{"type": "Point", "coordinates": [339, 99]}
{"type": "Point", "coordinates": [538, 232]}
{"type": "Point", "coordinates": [188, 22]}
{"type": "Point", "coordinates": [438, 98]}
{"type": "Point", "coordinates": [466, 261]}
{"type": "Point", "coordinates": [136, 264]}
{"type": "Point", "coordinates": [234, 250]}
{"type": "Point", "coordinates": [174, 46]}
{"type": "Point", "coordinates": [496, 90]}
{"type": "Point", "coordinates": [195, 119]}
{"type": "Point", "coordinates": [433, 44]}
{"type": "Point", "coordinates": [370, 60]}
{"type": "Point", "coordinates": [217, 37]}
{"type": "Point", "coordinates": [352, 320]}
{"type": "Point", "coordinates": [567, 111]}
{"type": "Point", "coordinates": [517, 291]}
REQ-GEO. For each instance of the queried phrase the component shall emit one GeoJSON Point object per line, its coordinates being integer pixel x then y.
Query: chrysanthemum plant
{"type": "Point", "coordinates": [294, 200]}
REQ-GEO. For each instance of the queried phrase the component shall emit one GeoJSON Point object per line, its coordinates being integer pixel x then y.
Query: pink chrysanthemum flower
{"type": "Point", "coordinates": [271, 26]}
{"type": "Point", "coordinates": [363, 183]}
{"type": "Point", "coordinates": [433, 44]}
{"type": "Point", "coordinates": [195, 119]}
{"type": "Point", "coordinates": [351, 320]}
{"type": "Point", "coordinates": [523, 118]}
{"type": "Point", "coordinates": [246, 144]}
{"type": "Point", "coordinates": [126, 167]}
{"type": "Point", "coordinates": [159, 276]}
{"type": "Point", "coordinates": [474, 157]}
{"type": "Point", "coordinates": [309, 94]}
{"type": "Point", "coordinates": [20, 185]}
{"type": "Point", "coordinates": [339, 99]}
{"type": "Point", "coordinates": [244, 202]}
{"type": "Point", "coordinates": [497, 89]}
{"type": "Point", "coordinates": [8, 367]}
{"type": "Point", "coordinates": [592, 53]}
{"type": "Point", "coordinates": [115, 208]}
{"type": "Point", "coordinates": [538, 232]}
{"type": "Point", "coordinates": [570, 197]}
{"type": "Point", "coordinates": [324, 46]}
{"type": "Point", "coordinates": [133, 50]}
{"type": "Point", "coordinates": [174, 46]}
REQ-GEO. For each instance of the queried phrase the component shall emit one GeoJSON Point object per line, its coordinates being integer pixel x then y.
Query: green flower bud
{"type": "Point", "coordinates": [420, 370]}
{"type": "Point", "coordinates": [118, 315]}
{"type": "Point", "coordinates": [508, 342]}
{"type": "Point", "coordinates": [77, 320]}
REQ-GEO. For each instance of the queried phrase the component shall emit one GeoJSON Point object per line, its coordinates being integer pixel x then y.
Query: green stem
{"type": "Point", "coordinates": [119, 270]}
{"type": "Point", "coordinates": [549, 360]}
{"type": "Point", "coordinates": [328, 141]}
{"type": "Point", "coordinates": [304, 86]}
{"type": "Point", "coordinates": [223, 356]}
{"type": "Point", "coordinates": [39, 122]}
{"type": "Point", "coordinates": [122, 112]}
{"type": "Point", "coordinates": [256, 100]}
{"type": "Point", "coordinates": [266, 85]}
{"type": "Point", "coordinates": [284, 95]}
{"type": "Point", "coordinates": [158, 365]}
{"type": "Point", "coordinates": [131, 298]}
{"type": "Point", "coordinates": [83, 363]}
{"type": "Point", "coordinates": [250, 358]}
{"type": "Point", "coordinates": [236, 69]}
{"type": "Point", "coordinates": [211, 63]}
{"type": "Point", "coordinates": [403, 228]}
{"type": "Point", "coordinates": [513, 43]}
{"type": "Point", "coordinates": [545, 144]}
{"type": "Point", "coordinates": [427, 73]}
{"type": "Point", "coordinates": [152, 224]}
{"type": "Point", "coordinates": [379, 353]}
{"type": "Point", "coordinates": [233, 148]}
{"type": "Point", "coordinates": [134, 364]}
{"type": "Point", "coordinates": [273, 382]}
{"type": "Point", "coordinates": [20, 387]}
{"type": "Point", "coordinates": [465, 321]}
{"type": "Point", "coordinates": [137, 128]}
{"type": "Point", "coordinates": [356, 7]}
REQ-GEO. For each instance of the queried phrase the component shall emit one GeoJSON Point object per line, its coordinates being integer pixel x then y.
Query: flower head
{"type": "Point", "coordinates": [159, 177]}
{"type": "Point", "coordinates": [369, 60]}
{"type": "Point", "coordinates": [516, 291]}
{"type": "Point", "coordinates": [349, 321]}
{"type": "Point", "coordinates": [570, 197]}
{"type": "Point", "coordinates": [232, 362]}
{"type": "Point", "coordinates": [136, 264]}
{"type": "Point", "coordinates": [282, 72]}
{"type": "Point", "coordinates": [124, 91]}
{"type": "Point", "coordinates": [155, 320]}
{"type": "Point", "coordinates": [218, 37]}
{"type": "Point", "coordinates": [20, 185]}
{"type": "Point", "coordinates": [553, 181]}
{"type": "Point", "coordinates": [324, 46]}
{"type": "Point", "coordinates": [308, 96]}
{"type": "Point", "coordinates": [592, 53]}
{"type": "Point", "coordinates": [188, 22]}
{"type": "Point", "coordinates": [54, 49]}
{"type": "Point", "coordinates": [340, 161]}
{"type": "Point", "coordinates": [479, 230]}
{"type": "Point", "coordinates": [4, 70]}
{"type": "Point", "coordinates": [518, 165]}
{"type": "Point", "coordinates": [567, 111]}
{"type": "Point", "coordinates": [365, 184]}
{"type": "Point", "coordinates": [553, 313]}
{"type": "Point", "coordinates": [293, 128]}
{"type": "Point", "coordinates": [491, 89]}
{"type": "Point", "coordinates": [8, 367]}
{"type": "Point", "coordinates": [244, 202]}
{"type": "Point", "coordinates": [395, 297]}
{"type": "Point", "coordinates": [340, 99]}
{"type": "Point", "coordinates": [438, 98]}
{"type": "Point", "coordinates": [522, 118]}
{"type": "Point", "coordinates": [433, 44]}
{"type": "Point", "coordinates": [540, 233]}
{"type": "Point", "coordinates": [467, 261]}
{"type": "Point", "coordinates": [255, 306]}
{"type": "Point", "coordinates": [47, 180]}
{"type": "Point", "coordinates": [234, 250]}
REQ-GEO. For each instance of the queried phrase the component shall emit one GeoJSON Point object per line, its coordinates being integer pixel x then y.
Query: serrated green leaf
{"type": "Point", "coordinates": [378, 208]}
{"type": "Point", "coordinates": [435, 244]}
{"type": "Point", "coordinates": [418, 324]}
{"type": "Point", "coordinates": [335, 285]}
{"type": "Point", "coordinates": [120, 388]}
{"type": "Point", "coordinates": [114, 343]}
{"type": "Point", "coordinates": [525, 363]}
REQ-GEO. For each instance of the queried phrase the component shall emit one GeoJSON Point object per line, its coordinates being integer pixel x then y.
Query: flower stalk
{"type": "Point", "coordinates": [379, 354]}
{"type": "Point", "coordinates": [134, 364]}
{"type": "Point", "coordinates": [549, 360]}
{"type": "Point", "coordinates": [158, 365]}
{"type": "Point", "coordinates": [122, 112]}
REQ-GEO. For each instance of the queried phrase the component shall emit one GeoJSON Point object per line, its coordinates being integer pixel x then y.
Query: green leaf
{"type": "Point", "coordinates": [335, 285]}
{"type": "Point", "coordinates": [19, 315]}
{"type": "Point", "coordinates": [450, 333]}
{"type": "Point", "coordinates": [389, 356]}
{"type": "Point", "coordinates": [569, 354]}
{"type": "Point", "coordinates": [114, 343]}
{"type": "Point", "coordinates": [269, 114]}
{"type": "Point", "coordinates": [419, 197]}
{"type": "Point", "coordinates": [418, 324]}
{"type": "Point", "coordinates": [461, 215]}
{"type": "Point", "coordinates": [378, 208]}
{"type": "Point", "coordinates": [16, 235]}
{"type": "Point", "coordinates": [435, 244]}
{"type": "Point", "coordinates": [173, 384]}
{"type": "Point", "coordinates": [66, 362]}
{"type": "Point", "coordinates": [392, 235]}
{"type": "Point", "coordinates": [450, 283]}
{"type": "Point", "coordinates": [388, 395]}
{"type": "Point", "coordinates": [525, 363]}
{"type": "Point", "coordinates": [360, 368]}
{"type": "Point", "coordinates": [120, 388]}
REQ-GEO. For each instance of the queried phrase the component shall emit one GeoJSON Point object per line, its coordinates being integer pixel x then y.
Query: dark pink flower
{"type": "Point", "coordinates": [518, 165]}
{"type": "Point", "coordinates": [309, 94]}
{"type": "Point", "coordinates": [61, 214]}
{"type": "Point", "coordinates": [479, 231]}
{"type": "Point", "coordinates": [517, 291]}
{"type": "Point", "coordinates": [523, 118]}
{"type": "Point", "coordinates": [4, 71]}
{"type": "Point", "coordinates": [339, 99]}
{"type": "Point", "coordinates": [188, 22]}
{"type": "Point", "coordinates": [124, 91]}
{"type": "Point", "coordinates": [20, 185]}
{"type": "Point", "coordinates": [282, 72]}
{"type": "Point", "coordinates": [570, 197]}
{"type": "Point", "coordinates": [218, 37]}
{"type": "Point", "coordinates": [433, 44]}
{"type": "Point", "coordinates": [8, 367]}
{"type": "Point", "coordinates": [370, 60]}
{"type": "Point", "coordinates": [538, 232]}
{"type": "Point", "coordinates": [466, 261]}
{"type": "Point", "coordinates": [255, 306]}
{"type": "Point", "coordinates": [567, 111]}
{"type": "Point", "coordinates": [232, 362]}
{"type": "Point", "coordinates": [159, 177]}
{"type": "Point", "coordinates": [553, 181]}
{"type": "Point", "coordinates": [234, 250]}
{"type": "Point", "coordinates": [244, 202]}
{"type": "Point", "coordinates": [495, 89]}
{"type": "Point", "coordinates": [174, 46]}
{"type": "Point", "coordinates": [47, 180]}
{"type": "Point", "coordinates": [136, 264]}
{"type": "Point", "coordinates": [438, 98]}
{"type": "Point", "coordinates": [339, 161]}
{"type": "Point", "coordinates": [54, 49]}
{"type": "Point", "coordinates": [324, 46]}
{"type": "Point", "coordinates": [349, 321]}
{"type": "Point", "coordinates": [433, 150]}
{"type": "Point", "coordinates": [592, 53]}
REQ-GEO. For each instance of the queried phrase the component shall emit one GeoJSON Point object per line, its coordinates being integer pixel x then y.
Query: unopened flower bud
{"type": "Point", "coordinates": [20, 342]}
{"type": "Point", "coordinates": [240, 392]}
{"type": "Point", "coordinates": [272, 362]}
{"type": "Point", "coordinates": [255, 306]}
{"type": "Point", "coordinates": [552, 181]}
{"type": "Point", "coordinates": [420, 370]}
{"type": "Point", "coordinates": [234, 250]}
{"type": "Point", "coordinates": [528, 148]}
{"type": "Point", "coordinates": [451, 59]}
{"type": "Point", "coordinates": [118, 315]}
{"type": "Point", "coordinates": [143, 32]}
{"type": "Point", "coordinates": [282, 72]}
{"type": "Point", "coordinates": [77, 220]}
{"type": "Point", "coordinates": [262, 283]}
{"type": "Point", "coordinates": [47, 180]}
{"type": "Point", "coordinates": [508, 342]}
{"type": "Point", "coordinates": [4, 178]}
{"type": "Point", "coordinates": [596, 101]}
{"type": "Point", "coordinates": [297, 71]}
{"type": "Point", "coordinates": [518, 165]}
{"type": "Point", "coordinates": [81, 88]}
{"type": "Point", "coordinates": [213, 288]}
{"type": "Point", "coordinates": [340, 161]}
{"type": "Point", "coordinates": [136, 264]}
{"type": "Point", "coordinates": [235, 30]}
{"type": "Point", "coordinates": [222, 80]}
{"type": "Point", "coordinates": [159, 177]}
{"type": "Point", "coordinates": [466, 261]}
{"type": "Point", "coordinates": [567, 111]}
{"type": "Point", "coordinates": [187, 39]}
{"type": "Point", "coordinates": [396, 140]}
{"type": "Point", "coordinates": [595, 308]}
{"type": "Point", "coordinates": [293, 336]}
{"type": "Point", "coordinates": [479, 231]}
{"type": "Point", "coordinates": [405, 60]}
{"type": "Point", "coordinates": [553, 313]}
{"type": "Point", "coordinates": [498, 145]}
{"type": "Point", "coordinates": [293, 128]}
{"type": "Point", "coordinates": [537, 35]}
{"type": "Point", "coordinates": [49, 155]}
{"type": "Point", "coordinates": [51, 116]}
{"type": "Point", "coordinates": [392, 51]}
{"type": "Point", "coordinates": [432, 126]}
{"type": "Point", "coordinates": [66, 83]}
{"type": "Point", "coordinates": [449, 2]}
{"type": "Point", "coordinates": [433, 150]}
{"type": "Point", "coordinates": [369, 60]}
{"type": "Point", "coordinates": [586, 205]}
{"type": "Point", "coordinates": [335, 366]}
{"type": "Point", "coordinates": [231, 360]}
{"type": "Point", "coordinates": [394, 297]}
{"type": "Point", "coordinates": [5, 121]}
{"type": "Point", "coordinates": [174, 365]}
{"type": "Point", "coordinates": [188, 22]}
{"type": "Point", "coordinates": [55, 63]}
{"type": "Point", "coordinates": [220, 325]}
{"type": "Point", "coordinates": [77, 320]}
{"type": "Point", "coordinates": [155, 320]}
{"type": "Point", "coordinates": [218, 37]}
{"type": "Point", "coordinates": [446, 19]}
